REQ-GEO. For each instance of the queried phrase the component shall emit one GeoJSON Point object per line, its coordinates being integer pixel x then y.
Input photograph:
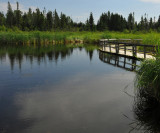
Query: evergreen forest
{"type": "Point", "coordinates": [52, 21]}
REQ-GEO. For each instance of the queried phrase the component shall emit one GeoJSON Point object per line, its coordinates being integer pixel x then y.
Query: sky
{"type": "Point", "coordinates": [79, 10]}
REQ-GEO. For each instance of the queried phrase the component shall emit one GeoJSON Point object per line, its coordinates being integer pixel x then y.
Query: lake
{"type": "Point", "coordinates": [61, 89]}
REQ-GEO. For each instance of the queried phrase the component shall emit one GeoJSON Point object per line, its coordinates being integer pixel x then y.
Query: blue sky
{"type": "Point", "coordinates": [79, 10]}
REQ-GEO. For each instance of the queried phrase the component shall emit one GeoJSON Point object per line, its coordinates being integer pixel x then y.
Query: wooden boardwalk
{"type": "Point", "coordinates": [128, 47]}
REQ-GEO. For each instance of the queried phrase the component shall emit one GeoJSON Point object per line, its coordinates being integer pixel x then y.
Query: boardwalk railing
{"type": "Point", "coordinates": [127, 47]}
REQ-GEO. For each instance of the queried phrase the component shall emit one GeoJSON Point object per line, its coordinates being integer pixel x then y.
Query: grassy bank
{"type": "Point", "coordinates": [37, 37]}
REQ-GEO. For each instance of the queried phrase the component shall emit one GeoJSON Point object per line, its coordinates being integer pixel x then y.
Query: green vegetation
{"type": "Point", "coordinates": [147, 99]}
{"type": "Point", "coordinates": [37, 37]}
{"type": "Point", "coordinates": [148, 76]}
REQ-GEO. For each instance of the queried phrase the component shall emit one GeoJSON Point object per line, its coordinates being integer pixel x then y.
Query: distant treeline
{"type": "Point", "coordinates": [51, 21]}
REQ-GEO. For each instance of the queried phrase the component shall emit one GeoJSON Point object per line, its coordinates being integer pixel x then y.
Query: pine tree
{"type": "Point", "coordinates": [42, 22]}
{"type": "Point", "coordinates": [142, 23]}
{"type": "Point", "coordinates": [91, 22]}
{"type": "Point", "coordinates": [62, 21]}
{"type": "Point", "coordinates": [49, 21]}
{"type": "Point", "coordinates": [150, 23]}
{"type": "Point", "coordinates": [87, 27]}
{"type": "Point", "coordinates": [18, 16]}
{"type": "Point", "coordinates": [2, 19]}
{"type": "Point", "coordinates": [103, 22]}
{"type": "Point", "coordinates": [30, 19]}
{"type": "Point", "coordinates": [56, 20]}
{"type": "Point", "coordinates": [145, 22]}
{"type": "Point", "coordinates": [130, 23]}
{"type": "Point", "coordinates": [158, 23]}
{"type": "Point", "coordinates": [9, 16]}
{"type": "Point", "coordinates": [25, 24]}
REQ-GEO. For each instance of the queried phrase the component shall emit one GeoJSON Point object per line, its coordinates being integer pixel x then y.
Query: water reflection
{"type": "Point", "coordinates": [127, 63]}
{"type": "Point", "coordinates": [80, 104]}
{"type": "Point", "coordinates": [40, 54]}
{"type": "Point", "coordinates": [70, 95]}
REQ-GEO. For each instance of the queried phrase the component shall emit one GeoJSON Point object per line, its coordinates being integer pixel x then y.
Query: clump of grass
{"type": "Point", "coordinates": [148, 76]}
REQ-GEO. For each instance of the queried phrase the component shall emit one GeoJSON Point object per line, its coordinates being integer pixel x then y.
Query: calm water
{"type": "Point", "coordinates": [71, 90]}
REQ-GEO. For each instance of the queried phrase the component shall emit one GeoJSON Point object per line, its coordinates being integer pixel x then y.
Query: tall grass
{"type": "Point", "coordinates": [35, 37]}
{"type": "Point", "coordinates": [148, 76]}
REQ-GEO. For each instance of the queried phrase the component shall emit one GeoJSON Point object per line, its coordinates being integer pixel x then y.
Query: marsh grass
{"type": "Point", "coordinates": [37, 37]}
{"type": "Point", "coordinates": [147, 97]}
{"type": "Point", "coordinates": [148, 76]}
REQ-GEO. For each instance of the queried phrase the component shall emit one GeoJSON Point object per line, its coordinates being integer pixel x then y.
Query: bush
{"type": "Point", "coordinates": [2, 28]}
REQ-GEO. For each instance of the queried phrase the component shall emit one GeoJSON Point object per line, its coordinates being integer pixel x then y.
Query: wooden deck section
{"type": "Point", "coordinates": [128, 47]}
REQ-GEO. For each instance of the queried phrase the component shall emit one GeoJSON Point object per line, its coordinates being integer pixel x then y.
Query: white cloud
{"type": "Point", "coordinates": [151, 1]}
{"type": "Point", "coordinates": [4, 5]}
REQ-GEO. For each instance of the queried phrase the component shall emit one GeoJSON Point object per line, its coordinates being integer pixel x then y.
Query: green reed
{"type": "Point", "coordinates": [38, 37]}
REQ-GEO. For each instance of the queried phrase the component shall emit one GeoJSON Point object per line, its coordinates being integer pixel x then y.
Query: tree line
{"type": "Point", "coordinates": [51, 21]}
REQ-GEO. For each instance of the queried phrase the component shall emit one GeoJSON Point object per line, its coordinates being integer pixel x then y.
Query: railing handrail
{"type": "Point", "coordinates": [130, 44]}
{"type": "Point", "coordinates": [121, 39]}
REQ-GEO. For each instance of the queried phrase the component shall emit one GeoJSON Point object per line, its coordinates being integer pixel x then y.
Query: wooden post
{"type": "Point", "coordinates": [132, 50]}
{"type": "Point", "coordinates": [135, 50]}
{"type": "Point", "coordinates": [118, 48]}
{"type": "Point", "coordinates": [144, 52]}
{"type": "Point", "coordinates": [110, 48]}
{"type": "Point", "coordinates": [133, 64]}
{"type": "Point", "coordinates": [125, 49]}
{"type": "Point", "coordinates": [103, 47]}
